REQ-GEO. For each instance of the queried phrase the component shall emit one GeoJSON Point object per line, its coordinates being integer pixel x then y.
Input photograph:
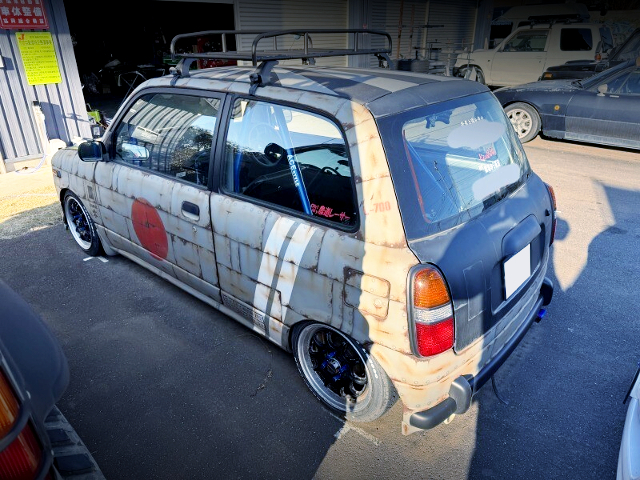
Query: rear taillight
{"type": "Point", "coordinates": [432, 312]}
{"type": "Point", "coordinates": [554, 205]}
{"type": "Point", "coordinates": [9, 406]}
{"type": "Point", "coordinates": [21, 459]}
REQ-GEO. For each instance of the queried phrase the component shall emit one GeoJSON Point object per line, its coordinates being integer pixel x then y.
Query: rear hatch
{"type": "Point", "coordinates": [470, 205]}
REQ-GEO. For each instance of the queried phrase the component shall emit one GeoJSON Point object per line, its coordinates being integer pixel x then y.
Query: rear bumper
{"type": "Point", "coordinates": [465, 387]}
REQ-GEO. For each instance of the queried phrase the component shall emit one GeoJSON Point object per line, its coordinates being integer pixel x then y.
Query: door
{"type": "Point", "coordinates": [286, 189]}
{"type": "Point", "coordinates": [520, 60]}
{"type": "Point", "coordinates": [608, 112]}
{"type": "Point", "coordinates": [154, 196]}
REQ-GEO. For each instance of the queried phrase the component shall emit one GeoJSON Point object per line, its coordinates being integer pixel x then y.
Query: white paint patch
{"type": "Point", "coordinates": [102, 259]}
{"type": "Point", "coordinates": [346, 428]}
{"type": "Point", "coordinates": [390, 84]}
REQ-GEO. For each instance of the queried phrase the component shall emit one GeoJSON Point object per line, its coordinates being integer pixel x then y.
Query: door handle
{"type": "Point", "coordinates": [191, 210]}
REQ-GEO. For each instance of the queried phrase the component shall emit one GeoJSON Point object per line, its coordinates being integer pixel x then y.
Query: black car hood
{"type": "Point", "coordinates": [581, 66]}
{"type": "Point", "coordinates": [546, 86]}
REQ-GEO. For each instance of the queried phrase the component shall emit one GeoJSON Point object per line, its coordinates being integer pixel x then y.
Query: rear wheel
{"type": "Point", "coordinates": [81, 225]}
{"type": "Point", "coordinates": [525, 120]}
{"type": "Point", "coordinates": [340, 373]}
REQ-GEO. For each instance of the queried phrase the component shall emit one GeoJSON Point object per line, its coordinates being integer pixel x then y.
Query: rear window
{"type": "Point", "coordinates": [576, 39]}
{"type": "Point", "coordinates": [451, 161]}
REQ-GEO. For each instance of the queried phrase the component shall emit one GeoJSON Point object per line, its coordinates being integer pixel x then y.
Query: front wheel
{"type": "Point", "coordinates": [525, 120]}
{"type": "Point", "coordinates": [340, 373]}
{"type": "Point", "coordinates": [81, 224]}
{"type": "Point", "coordinates": [473, 73]}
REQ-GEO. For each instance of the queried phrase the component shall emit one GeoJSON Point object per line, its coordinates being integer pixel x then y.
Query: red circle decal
{"type": "Point", "coordinates": [149, 228]}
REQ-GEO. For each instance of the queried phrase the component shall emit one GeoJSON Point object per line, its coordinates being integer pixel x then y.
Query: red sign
{"type": "Point", "coordinates": [23, 15]}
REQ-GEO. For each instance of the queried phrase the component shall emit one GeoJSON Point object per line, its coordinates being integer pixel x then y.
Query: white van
{"type": "Point", "coordinates": [523, 56]}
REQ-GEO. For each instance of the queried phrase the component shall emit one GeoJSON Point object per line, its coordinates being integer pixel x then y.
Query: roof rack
{"type": "Point", "coordinates": [561, 18]}
{"type": "Point", "coordinates": [269, 58]}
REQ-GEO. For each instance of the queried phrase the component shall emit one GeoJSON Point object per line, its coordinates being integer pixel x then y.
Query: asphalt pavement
{"type": "Point", "coordinates": [163, 386]}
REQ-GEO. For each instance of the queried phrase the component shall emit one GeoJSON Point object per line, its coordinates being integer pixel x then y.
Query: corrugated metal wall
{"type": "Point", "coordinates": [286, 14]}
{"type": "Point", "coordinates": [62, 104]}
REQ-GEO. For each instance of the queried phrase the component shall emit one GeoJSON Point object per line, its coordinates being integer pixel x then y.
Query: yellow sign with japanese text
{"type": "Point", "coordinates": [39, 57]}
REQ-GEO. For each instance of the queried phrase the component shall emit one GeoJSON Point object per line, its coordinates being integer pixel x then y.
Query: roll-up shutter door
{"type": "Point", "coordinates": [457, 33]}
{"type": "Point", "coordinates": [458, 20]}
{"type": "Point", "coordinates": [291, 14]}
{"type": "Point", "coordinates": [385, 15]}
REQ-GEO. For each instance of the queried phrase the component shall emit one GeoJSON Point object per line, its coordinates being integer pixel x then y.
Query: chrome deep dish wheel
{"type": "Point", "coordinates": [340, 373]}
{"type": "Point", "coordinates": [80, 224]}
{"type": "Point", "coordinates": [525, 121]}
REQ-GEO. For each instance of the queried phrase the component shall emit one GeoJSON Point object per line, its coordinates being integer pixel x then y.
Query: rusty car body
{"type": "Point", "coordinates": [304, 215]}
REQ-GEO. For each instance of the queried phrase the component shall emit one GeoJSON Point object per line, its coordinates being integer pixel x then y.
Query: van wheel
{"type": "Point", "coordinates": [525, 120]}
{"type": "Point", "coordinates": [81, 224]}
{"type": "Point", "coordinates": [474, 74]}
{"type": "Point", "coordinates": [340, 373]}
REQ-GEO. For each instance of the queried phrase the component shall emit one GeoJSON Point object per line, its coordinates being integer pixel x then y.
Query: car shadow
{"type": "Point", "coordinates": [162, 385]}
{"type": "Point", "coordinates": [567, 379]}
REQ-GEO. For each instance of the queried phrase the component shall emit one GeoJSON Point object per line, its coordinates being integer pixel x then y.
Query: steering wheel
{"type": "Point", "coordinates": [259, 134]}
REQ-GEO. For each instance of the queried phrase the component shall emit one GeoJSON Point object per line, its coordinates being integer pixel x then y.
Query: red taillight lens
{"type": "Point", "coordinates": [432, 312]}
{"type": "Point", "coordinates": [8, 406]}
{"type": "Point", "coordinates": [21, 459]}
{"type": "Point", "coordinates": [554, 205]}
{"type": "Point", "coordinates": [435, 338]}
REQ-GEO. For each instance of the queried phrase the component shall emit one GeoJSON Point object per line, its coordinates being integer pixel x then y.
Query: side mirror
{"type": "Point", "coordinates": [91, 151]}
{"type": "Point", "coordinates": [602, 89]}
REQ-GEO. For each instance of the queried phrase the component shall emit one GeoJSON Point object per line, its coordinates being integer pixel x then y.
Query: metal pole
{"type": "Point", "coordinates": [399, 30]}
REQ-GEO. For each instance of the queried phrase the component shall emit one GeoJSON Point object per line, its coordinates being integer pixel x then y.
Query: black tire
{"type": "Point", "coordinates": [473, 73]}
{"type": "Point", "coordinates": [370, 391]}
{"type": "Point", "coordinates": [525, 120]}
{"type": "Point", "coordinates": [80, 224]}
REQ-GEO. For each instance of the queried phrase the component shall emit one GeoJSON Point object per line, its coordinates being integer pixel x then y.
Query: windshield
{"type": "Point", "coordinates": [451, 161]}
{"type": "Point", "coordinates": [630, 50]}
{"type": "Point", "coordinates": [601, 77]}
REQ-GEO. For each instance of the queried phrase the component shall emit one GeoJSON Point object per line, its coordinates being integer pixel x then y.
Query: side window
{"type": "Point", "coordinates": [576, 39]}
{"type": "Point", "coordinates": [290, 158]}
{"type": "Point", "coordinates": [527, 41]}
{"type": "Point", "coordinates": [169, 133]}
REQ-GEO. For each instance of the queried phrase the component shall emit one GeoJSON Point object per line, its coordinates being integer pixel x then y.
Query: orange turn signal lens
{"type": "Point", "coordinates": [429, 289]}
{"type": "Point", "coordinates": [9, 407]}
{"type": "Point", "coordinates": [553, 196]}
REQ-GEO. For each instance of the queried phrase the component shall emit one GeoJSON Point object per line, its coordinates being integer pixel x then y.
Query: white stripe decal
{"type": "Point", "coordinates": [292, 258]}
{"type": "Point", "coordinates": [272, 247]}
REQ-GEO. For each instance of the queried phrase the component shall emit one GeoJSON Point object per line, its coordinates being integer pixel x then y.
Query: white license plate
{"type": "Point", "coordinates": [517, 270]}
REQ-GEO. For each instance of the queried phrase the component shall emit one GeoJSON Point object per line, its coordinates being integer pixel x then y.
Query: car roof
{"type": "Point", "coordinates": [382, 91]}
